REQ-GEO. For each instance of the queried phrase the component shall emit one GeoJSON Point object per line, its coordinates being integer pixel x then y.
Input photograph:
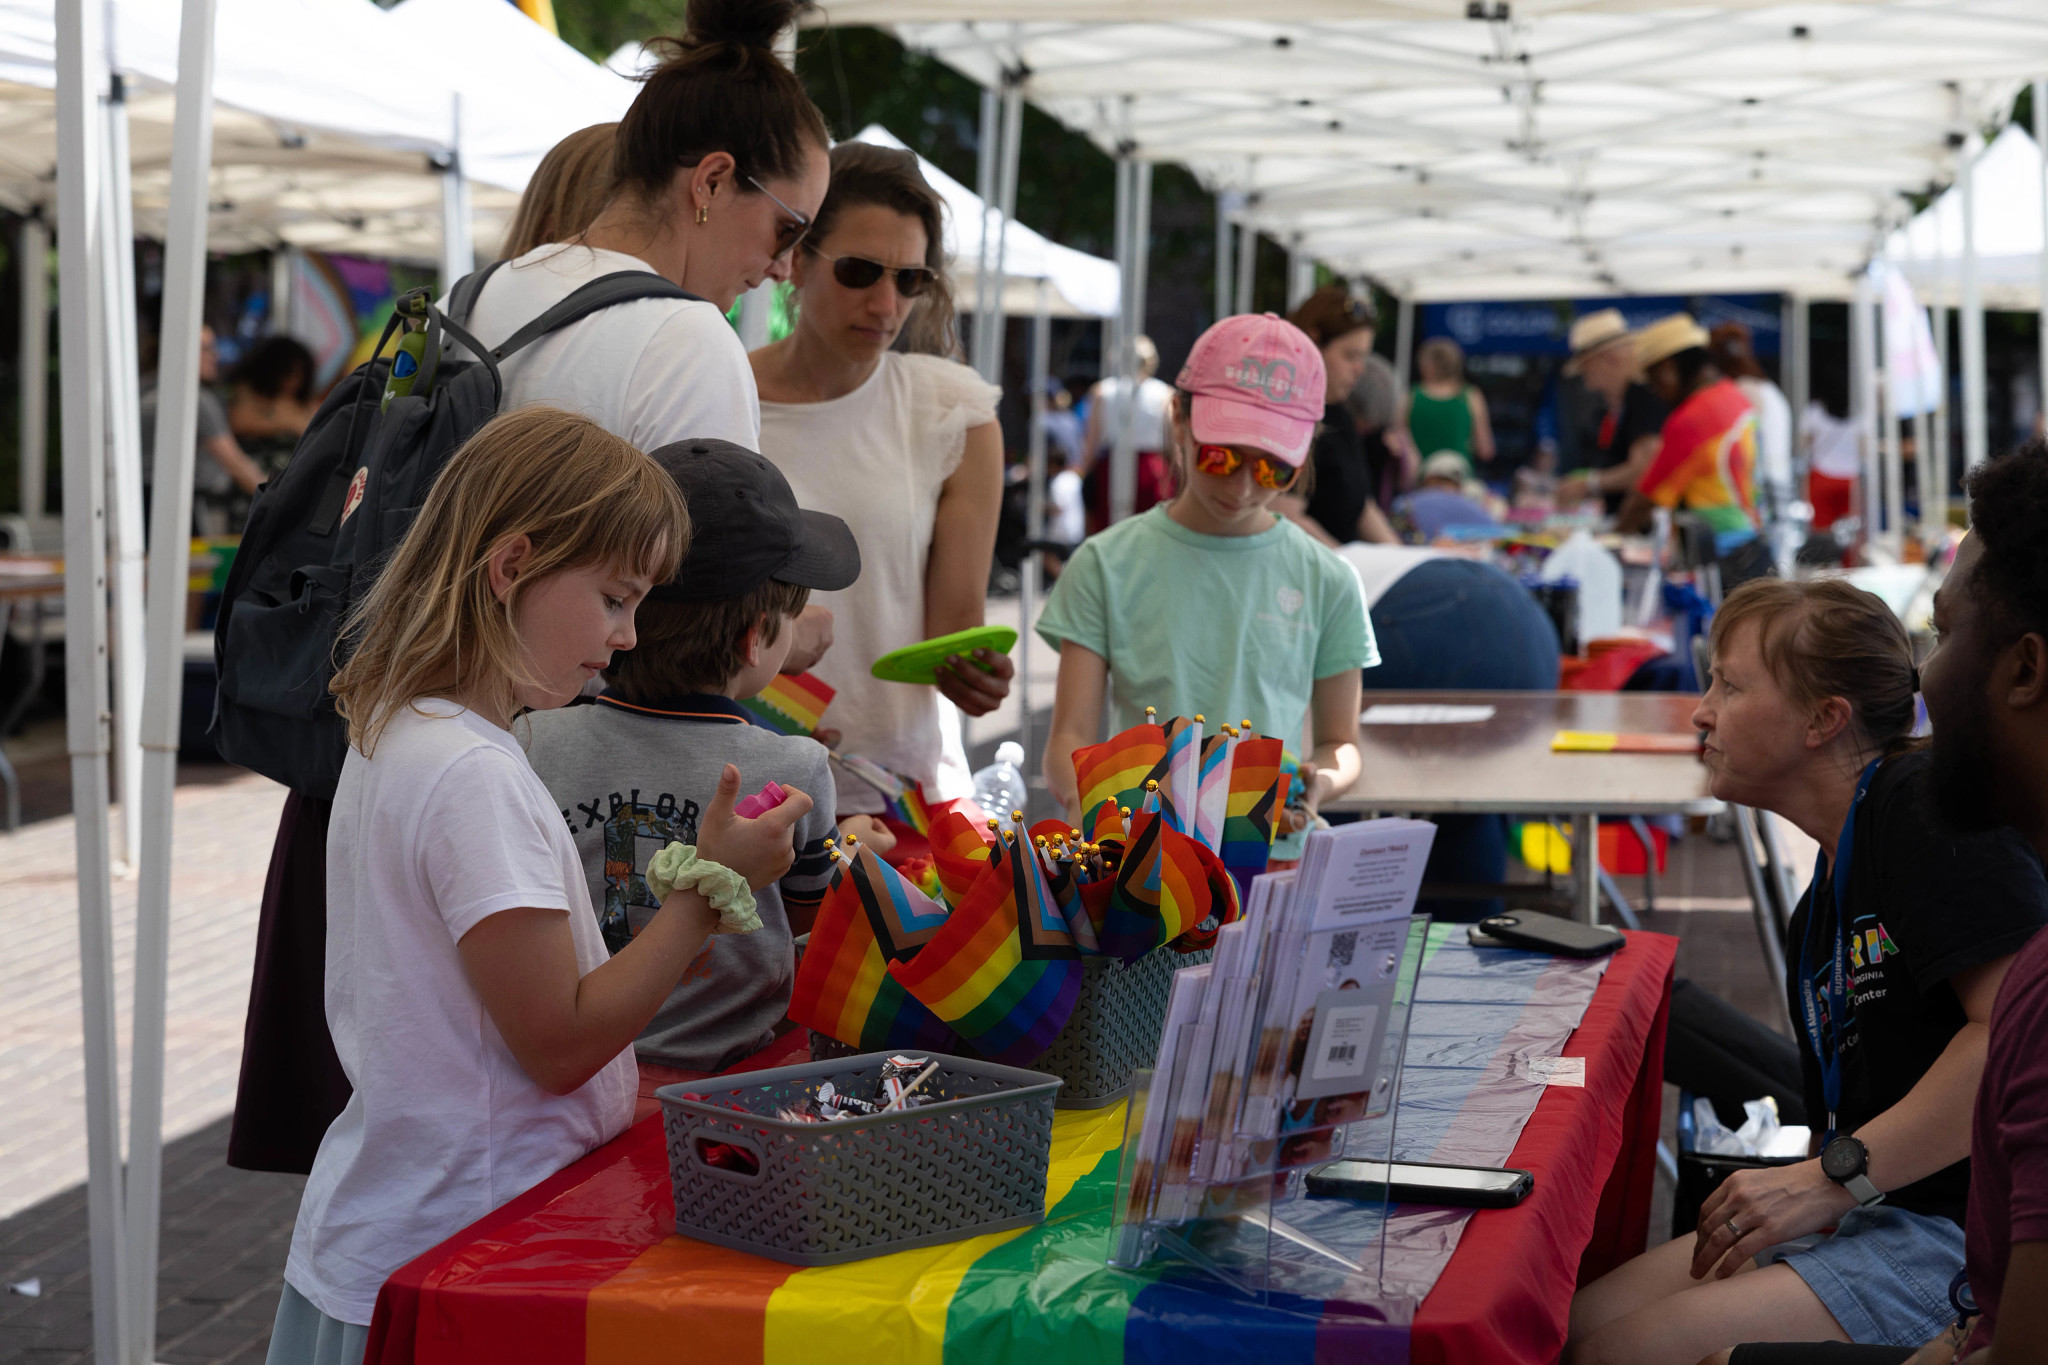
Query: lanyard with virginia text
{"type": "Point", "coordinates": [1825, 1031]}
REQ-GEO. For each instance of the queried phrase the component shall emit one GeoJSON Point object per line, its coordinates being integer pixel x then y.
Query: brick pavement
{"type": "Point", "coordinates": [222, 847]}
{"type": "Point", "coordinates": [225, 1233]}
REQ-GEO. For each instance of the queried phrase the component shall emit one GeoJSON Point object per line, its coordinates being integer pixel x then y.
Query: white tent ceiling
{"type": "Point", "coordinates": [2006, 180]}
{"type": "Point", "coordinates": [1573, 149]}
{"type": "Point", "coordinates": [325, 133]}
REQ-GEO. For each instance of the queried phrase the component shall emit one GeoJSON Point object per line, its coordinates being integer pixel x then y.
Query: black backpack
{"type": "Point", "coordinates": [319, 532]}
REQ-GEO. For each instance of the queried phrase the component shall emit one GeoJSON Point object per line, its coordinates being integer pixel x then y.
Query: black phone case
{"type": "Point", "coordinates": [1322, 1186]}
{"type": "Point", "coordinates": [1550, 934]}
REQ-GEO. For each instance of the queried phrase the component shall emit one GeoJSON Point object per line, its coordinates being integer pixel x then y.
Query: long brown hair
{"type": "Point", "coordinates": [569, 188]}
{"type": "Point", "coordinates": [889, 177]}
{"type": "Point", "coordinates": [432, 626]}
{"type": "Point", "coordinates": [719, 88]}
{"type": "Point", "coordinates": [1331, 312]}
{"type": "Point", "coordinates": [1822, 638]}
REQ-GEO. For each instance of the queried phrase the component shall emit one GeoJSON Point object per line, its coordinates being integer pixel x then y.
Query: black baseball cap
{"type": "Point", "coordinates": [746, 529]}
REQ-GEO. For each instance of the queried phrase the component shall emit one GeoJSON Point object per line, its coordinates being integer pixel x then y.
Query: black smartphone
{"type": "Point", "coordinates": [1551, 934]}
{"type": "Point", "coordinates": [1421, 1182]}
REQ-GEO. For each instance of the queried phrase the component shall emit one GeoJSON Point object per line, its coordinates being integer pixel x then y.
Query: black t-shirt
{"type": "Point", "coordinates": [1642, 414]}
{"type": "Point", "coordinates": [1922, 905]}
{"type": "Point", "coordinates": [1350, 469]}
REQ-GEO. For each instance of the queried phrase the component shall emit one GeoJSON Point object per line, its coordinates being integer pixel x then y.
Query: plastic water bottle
{"type": "Point", "coordinates": [999, 788]}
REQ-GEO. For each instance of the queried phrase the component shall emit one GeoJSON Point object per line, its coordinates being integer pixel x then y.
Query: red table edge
{"type": "Point", "coordinates": [1493, 1250]}
{"type": "Point", "coordinates": [1489, 1238]}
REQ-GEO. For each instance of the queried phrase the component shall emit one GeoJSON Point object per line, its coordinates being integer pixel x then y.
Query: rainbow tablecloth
{"type": "Point", "coordinates": [584, 1268]}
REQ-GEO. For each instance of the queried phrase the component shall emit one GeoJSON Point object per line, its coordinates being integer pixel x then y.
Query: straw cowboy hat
{"type": "Point", "coordinates": [1667, 336]}
{"type": "Point", "coordinates": [1593, 333]}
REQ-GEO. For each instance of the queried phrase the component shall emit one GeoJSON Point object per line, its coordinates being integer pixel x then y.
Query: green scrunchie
{"type": "Point", "coordinates": [678, 867]}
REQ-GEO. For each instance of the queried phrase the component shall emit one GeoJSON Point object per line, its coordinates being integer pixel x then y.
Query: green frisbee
{"type": "Point", "coordinates": [916, 663]}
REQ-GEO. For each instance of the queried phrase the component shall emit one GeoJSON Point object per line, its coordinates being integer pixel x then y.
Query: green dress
{"type": "Point", "coordinates": [1440, 423]}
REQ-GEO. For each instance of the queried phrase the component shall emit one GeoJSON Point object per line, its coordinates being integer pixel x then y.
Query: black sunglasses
{"type": "Point", "coordinates": [857, 272]}
{"type": "Point", "coordinates": [787, 233]}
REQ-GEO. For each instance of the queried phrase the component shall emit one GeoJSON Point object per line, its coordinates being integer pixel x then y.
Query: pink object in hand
{"type": "Point", "coordinates": [760, 803]}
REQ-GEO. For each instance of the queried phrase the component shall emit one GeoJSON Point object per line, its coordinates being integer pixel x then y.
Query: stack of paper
{"type": "Point", "coordinates": [1280, 1041]}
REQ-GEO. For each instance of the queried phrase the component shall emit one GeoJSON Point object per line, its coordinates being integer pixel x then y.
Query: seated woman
{"type": "Point", "coordinates": [1894, 957]}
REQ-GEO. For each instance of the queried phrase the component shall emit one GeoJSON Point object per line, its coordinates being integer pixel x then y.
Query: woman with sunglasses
{"type": "Point", "coordinates": [903, 445]}
{"type": "Point", "coordinates": [1212, 603]}
{"type": "Point", "coordinates": [718, 162]}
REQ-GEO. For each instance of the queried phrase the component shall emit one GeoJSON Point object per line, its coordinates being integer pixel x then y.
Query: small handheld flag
{"type": "Point", "coordinates": [791, 704]}
{"type": "Point", "coordinates": [869, 918]}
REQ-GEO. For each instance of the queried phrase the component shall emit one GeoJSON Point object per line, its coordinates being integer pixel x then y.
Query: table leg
{"type": "Point", "coordinates": [1586, 868]}
{"type": "Point", "coordinates": [1642, 829]}
{"type": "Point", "coordinates": [8, 777]}
{"type": "Point", "coordinates": [1767, 932]}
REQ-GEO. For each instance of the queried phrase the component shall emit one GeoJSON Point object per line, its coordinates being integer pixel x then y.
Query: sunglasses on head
{"type": "Point", "coordinates": [789, 231]}
{"type": "Point", "coordinates": [1222, 461]}
{"type": "Point", "coordinates": [857, 272]}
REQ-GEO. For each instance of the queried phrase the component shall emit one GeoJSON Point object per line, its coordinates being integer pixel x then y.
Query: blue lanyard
{"type": "Point", "coordinates": [1825, 1032]}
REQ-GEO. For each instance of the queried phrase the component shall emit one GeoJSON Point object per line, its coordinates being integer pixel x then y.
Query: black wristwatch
{"type": "Point", "coordinates": [1846, 1161]}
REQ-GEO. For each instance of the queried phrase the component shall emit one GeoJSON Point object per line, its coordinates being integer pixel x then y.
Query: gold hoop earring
{"type": "Point", "coordinates": [703, 215]}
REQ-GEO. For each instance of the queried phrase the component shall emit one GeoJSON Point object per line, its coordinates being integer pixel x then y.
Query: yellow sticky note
{"type": "Point", "coordinates": [1584, 742]}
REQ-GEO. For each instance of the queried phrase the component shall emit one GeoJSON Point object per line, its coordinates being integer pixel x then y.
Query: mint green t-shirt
{"type": "Point", "coordinates": [1233, 627]}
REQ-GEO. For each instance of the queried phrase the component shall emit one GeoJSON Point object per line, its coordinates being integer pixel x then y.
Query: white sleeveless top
{"type": "Point", "coordinates": [878, 458]}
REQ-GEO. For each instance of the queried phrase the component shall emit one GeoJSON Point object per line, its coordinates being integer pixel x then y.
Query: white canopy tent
{"type": "Point", "coordinates": [1083, 286]}
{"type": "Point", "coordinates": [1570, 150]}
{"type": "Point", "coordinates": [2005, 183]}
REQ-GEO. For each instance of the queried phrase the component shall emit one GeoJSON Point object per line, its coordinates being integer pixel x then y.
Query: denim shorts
{"type": "Point", "coordinates": [1884, 1273]}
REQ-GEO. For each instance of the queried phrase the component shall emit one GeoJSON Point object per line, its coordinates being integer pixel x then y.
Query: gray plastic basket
{"type": "Point", "coordinates": [1113, 1031]}
{"type": "Point", "coordinates": [972, 1162]}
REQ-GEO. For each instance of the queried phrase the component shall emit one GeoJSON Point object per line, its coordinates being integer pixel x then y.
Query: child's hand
{"type": "Point", "coordinates": [759, 850]}
{"type": "Point", "coordinates": [870, 831]}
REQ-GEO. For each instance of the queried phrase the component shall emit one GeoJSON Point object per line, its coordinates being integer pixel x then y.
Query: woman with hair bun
{"type": "Point", "coordinates": [867, 410]}
{"type": "Point", "coordinates": [1893, 958]}
{"type": "Point", "coordinates": [719, 167]}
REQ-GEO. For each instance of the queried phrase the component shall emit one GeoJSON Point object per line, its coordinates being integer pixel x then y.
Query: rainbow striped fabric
{"type": "Point", "coordinates": [959, 852]}
{"type": "Point", "coordinates": [1115, 771]}
{"type": "Point", "coordinates": [908, 805]}
{"type": "Point", "coordinates": [1004, 970]}
{"type": "Point", "coordinates": [1249, 810]}
{"type": "Point", "coordinates": [791, 704]}
{"type": "Point", "coordinates": [870, 918]}
{"type": "Point", "coordinates": [1166, 885]}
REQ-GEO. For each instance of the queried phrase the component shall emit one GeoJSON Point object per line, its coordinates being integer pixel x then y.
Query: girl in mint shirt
{"type": "Point", "coordinates": [1213, 603]}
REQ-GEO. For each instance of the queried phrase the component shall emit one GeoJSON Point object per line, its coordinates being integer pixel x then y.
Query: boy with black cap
{"type": "Point", "coordinates": [632, 772]}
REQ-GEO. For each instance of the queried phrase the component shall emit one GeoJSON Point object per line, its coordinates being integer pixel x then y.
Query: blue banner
{"type": "Point", "coordinates": [1539, 327]}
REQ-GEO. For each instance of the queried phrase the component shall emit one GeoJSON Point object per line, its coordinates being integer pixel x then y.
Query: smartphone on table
{"type": "Point", "coordinates": [1421, 1182]}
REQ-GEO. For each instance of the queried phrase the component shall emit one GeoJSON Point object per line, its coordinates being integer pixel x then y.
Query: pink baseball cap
{"type": "Point", "coordinates": [1257, 380]}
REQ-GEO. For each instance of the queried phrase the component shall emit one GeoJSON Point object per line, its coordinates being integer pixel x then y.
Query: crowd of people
{"type": "Point", "coordinates": [531, 900]}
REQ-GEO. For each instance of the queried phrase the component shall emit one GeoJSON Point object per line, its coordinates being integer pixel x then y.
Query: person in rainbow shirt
{"type": "Point", "coordinates": [1707, 461]}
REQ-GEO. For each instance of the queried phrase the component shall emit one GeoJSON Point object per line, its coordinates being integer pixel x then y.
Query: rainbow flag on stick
{"type": "Point", "coordinates": [1212, 797]}
{"type": "Point", "coordinates": [1166, 885]}
{"type": "Point", "coordinates": [1249, 811]}
{"type": "Point", "coordinates": [791, 704]}
{"type": "Point", "coordinates": [1003, 971]}
{"type": "Point", "coordinates": [870, 918]}
{"type": "Point", "coordinates": [1182, 782]}
{"type": "Point", "coordinates": [959, 852]}
{"type": "Point", "coordinates": [1114, 772]}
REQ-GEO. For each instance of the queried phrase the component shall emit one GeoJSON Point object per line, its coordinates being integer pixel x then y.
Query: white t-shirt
{"type": "Point", "coordinates": [444, 827]}
{"type": "Point", "coordinates": [1380, 567]}
{"type": "Point", "coordinates": [1773, 431]}
{"type": "Point", "coordinates": [878, 458]}
{"type": "Point", "coordinates": [1835, 443]}
{"type": "Point", "coordinates": [653, 370]}
{"type": "Point", "coordinates": [1069, 520]}
{"type": "Point", "coordinates": [1148, 423]}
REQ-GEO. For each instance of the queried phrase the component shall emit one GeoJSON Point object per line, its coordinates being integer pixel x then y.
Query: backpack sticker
{"type": "Point", "coordinates": [355, 493]}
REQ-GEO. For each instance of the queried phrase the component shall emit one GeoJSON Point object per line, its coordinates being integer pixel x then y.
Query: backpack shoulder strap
{"type": "Point", "coordinates": [622, 286]}
{"type": "Point", "coordinates": [462, 298]}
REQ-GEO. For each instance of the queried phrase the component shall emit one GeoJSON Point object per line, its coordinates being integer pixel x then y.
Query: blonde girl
{"type": "Point", "coordinates": [486, 1033]}
{"type": "Point", "coordinates": [1213, 603]}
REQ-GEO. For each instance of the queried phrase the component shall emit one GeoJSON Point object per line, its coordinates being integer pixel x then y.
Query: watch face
{"type": "Point", "coordinates": [1842, 1158]}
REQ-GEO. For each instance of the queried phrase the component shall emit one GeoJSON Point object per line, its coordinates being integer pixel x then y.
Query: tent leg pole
{"type": "Point", "coordinates": [458, 241]}
{"type": "Point", "coordinates": [80, 145]}
{"type": "Point", "coordinates": [34, 249]}
{"type": "Point", "coordinates": [1975, 425]}
{"type": "Point", "coordinates": [1404, 338]}
{"type": "Point", "coordinates": [1006, 208]}
{"type": "Point", "coordinates": [1123, 474]}
{"type": "Point", "coordinates": [163, 694]}
{"type": "Point", "coordinates": [1226, 202]}
{"type": "Point", "coordinates": [124, 472]}
{"type": "Point", "coordinates": [1863, 403]}
{"type": "Point", "coordinates": [1034, 517]}
{"type": "Point", "coordinates": [1247, 266]}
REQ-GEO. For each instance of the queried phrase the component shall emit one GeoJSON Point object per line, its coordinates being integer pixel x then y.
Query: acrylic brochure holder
{"type": "Point", "coordinates": [1227, 1204]}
